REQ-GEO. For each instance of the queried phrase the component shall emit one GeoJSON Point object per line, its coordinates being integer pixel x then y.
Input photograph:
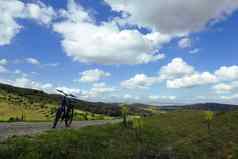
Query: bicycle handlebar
{"type": "Point", "coordinates": [65, 94]}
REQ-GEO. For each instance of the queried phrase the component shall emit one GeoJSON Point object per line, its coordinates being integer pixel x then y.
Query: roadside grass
{"type": "Point", "coordinates": [9, 111]}
{"type": "Point", "coordinates": [180, 135]}
{"type": "Point", "coordinates": [13, 113]}
{"type": "Point", "coordinates": [15, 107]}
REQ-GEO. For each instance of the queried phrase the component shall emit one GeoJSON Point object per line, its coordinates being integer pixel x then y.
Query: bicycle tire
{"type": "Point", "coordinates": [57, 117]}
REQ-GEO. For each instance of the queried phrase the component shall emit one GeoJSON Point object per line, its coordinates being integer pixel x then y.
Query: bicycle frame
{"type": "Point", "coordinates": [66, 111]}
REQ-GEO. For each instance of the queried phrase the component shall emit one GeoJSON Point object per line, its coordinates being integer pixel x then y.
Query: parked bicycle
{"type": "Point", "coordinates": [66, 110]}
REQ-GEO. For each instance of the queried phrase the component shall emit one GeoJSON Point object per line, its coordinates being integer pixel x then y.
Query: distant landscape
{"type": "Point", "coordinates": [165, 132]}
{"type": "Point", "coordinates": [36, 105]}
{"type": "Point", "coordinates": [118, 79]}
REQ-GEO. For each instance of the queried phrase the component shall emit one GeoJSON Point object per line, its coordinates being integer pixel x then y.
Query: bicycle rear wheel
{"type": "Point", "coordinates": [69, 117]}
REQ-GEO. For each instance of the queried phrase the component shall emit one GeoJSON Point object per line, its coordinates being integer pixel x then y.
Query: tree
{"type": "Point", "coordinates": [137, 124]}
{"type": "Point", "coordinates": [124, 113]}
{"type": "Point", "coordinates": [209, 117]}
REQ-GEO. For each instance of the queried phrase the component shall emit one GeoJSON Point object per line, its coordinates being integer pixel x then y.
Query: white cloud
{"type": "Point", "coordinates": [177, 17]}
{"type": "Point", "coordinates": [176, 68]}
{"type": "Point", "coordinates": [155, 97]}
{"type": "Point", "coordinates": [32, 61]}
{"type": "Point", "coordinates": [127, 96]}
{"type": "Point", "coordinates": [223, 88]}
{"type": "Point", "coordinates": [74, 91]}
{"type": "Point", "coordinates": [184, 43]}
{"type": "Point", "coordinates": [231, 97]}
{"type": "Point", "coordinates": [47, 86]}
{"type": "Point", "coordinates": [97, 91]}
{"type": "Point", "coordinates": [3, 69]}
{"type": "Point", "coordinates": [11, 10]}
{"type": "Point", "coordinates": [25, 82]}
{"type": "Point", "coordinates": [39, 12]}
{"type": "Point", "coordinates": [17, 71]}
{"type": "Point", "coordinates": [227, 72]}
{"type": "Point", "coordinates": [20, 73]}
{"type": "Point", "coordinates": [192, 80]}
{"type": "Point", "coordinates": [100, 88]}
{"type": "Point", "coordinates": [3, 62]}
{"type": "Point", "coordinates": [194, 51]}
{"type": "Point", "coordinates": [106, 43]}
{"type": "Point", "coordinates": [56, 64]}
{"type": "Point", "coordinates": [8, 26]}
{"type": "Point", "coordinates": [93, 75]}
{"type": "Point", "coordinates": [139, 81]}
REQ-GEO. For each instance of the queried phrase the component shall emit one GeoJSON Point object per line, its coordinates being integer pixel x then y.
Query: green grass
{"type": "Point", "coordinates": [9, 111]}
{"type": "Point", "coordinates": [181, 134]}
{"type": "Point", "coordinates": [33, 111]}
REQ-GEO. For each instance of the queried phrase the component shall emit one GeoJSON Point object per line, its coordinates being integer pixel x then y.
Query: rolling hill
{"type": "Point", "coordinates": [36, 104]}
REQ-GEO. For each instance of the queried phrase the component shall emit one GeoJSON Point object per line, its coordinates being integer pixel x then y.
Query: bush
{"type": "Point", "coordinates": [14, 119]}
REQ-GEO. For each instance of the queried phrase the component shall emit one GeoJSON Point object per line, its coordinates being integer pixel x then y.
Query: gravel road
{"type": "Point", "coordinates": [25, 128]}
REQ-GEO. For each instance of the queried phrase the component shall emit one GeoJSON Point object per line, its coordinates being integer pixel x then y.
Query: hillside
{"type": "Point", "coordinates": [201, 106]}
{"type": "Point", "coordinates": [16, 102]}
{"type": "Point", "coordinates": [38, 105]}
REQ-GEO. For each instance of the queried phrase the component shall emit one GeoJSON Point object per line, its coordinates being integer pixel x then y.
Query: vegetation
{"type": "Point", "coordinates": [124, 113]}
{"type": "Point", "coordinates": [137, 125]}
{"type": "Point", "coordinates": [178, 134]}
{"type": "Point", "coordinates": [209, 117]}
{"type": "Point", "coordinates": [17, 104]}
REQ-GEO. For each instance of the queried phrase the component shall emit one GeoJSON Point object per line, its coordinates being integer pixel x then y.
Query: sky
{"type": "Point", "coordinates": [133, 51]}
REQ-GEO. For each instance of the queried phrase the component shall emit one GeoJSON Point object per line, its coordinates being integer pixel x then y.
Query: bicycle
{"type": "Point", "coordinates": [66, 110]}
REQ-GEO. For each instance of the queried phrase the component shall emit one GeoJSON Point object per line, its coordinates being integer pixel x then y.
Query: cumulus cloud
{"type": "Point", "coordinates": [223, 88]}
{"type": "Point", "coordinates": [3, 69]}
{"type": "Point", "coordinates": [155, 97]}
{"type": "Point", "coordinates": [231, 97]}
{"type": "Point", "coordinates": [88, 42]}
{"type": "Point", "coordinates": [176, 68]}
{"type": "Point", "coordinates": [12, 10]}
{"type": "Point", "coordinates": [3, 61]}
{"type": "Point", "coordinates": [139, 81]}
{"type": "Point", "coordinates": [184, 43]}
{"type": "Point", "coordinates": [227, 72]}
{"type": "Point", "coordinates": [194, 51]}
{"type": "Point", "coordinates": [93, 75]}
{"type": "Point", "coordinates": [177, 17]}
{"type": "Point", "coordinates": [25, 82]}
{"type": "Point", "coordinates": [180, 74]}
{"type": "Point", "coordinates": [192, 80]}
{"type": "Point", "coordinates": [99, 89]}
{"type": "Point", "coordinates": [32, 61]}
{"type": "Point", "coordinates": [40, 12]}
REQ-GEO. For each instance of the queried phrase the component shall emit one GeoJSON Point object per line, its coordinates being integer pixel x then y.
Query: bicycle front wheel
{"type": "Point", "coordinates": [69, 117]}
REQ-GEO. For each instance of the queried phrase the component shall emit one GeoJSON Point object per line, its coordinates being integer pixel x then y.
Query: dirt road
{"type": "Point", "coordinates": [22, 128]}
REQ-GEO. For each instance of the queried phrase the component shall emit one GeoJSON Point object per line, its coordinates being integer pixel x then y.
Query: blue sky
{"type": "Point", "coordinates": [115, 51]}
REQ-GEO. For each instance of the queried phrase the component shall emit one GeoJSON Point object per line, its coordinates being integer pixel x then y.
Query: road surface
{"type": "Point", "coordinates": [24, 128]}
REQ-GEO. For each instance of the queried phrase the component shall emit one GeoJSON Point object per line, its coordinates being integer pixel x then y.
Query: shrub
{"type": "Point", "coordinates": [209, 117]}
{"type": "Point", "coordinates": [137, 125]}
{"type": "Point", "coordinates": [124, 113]}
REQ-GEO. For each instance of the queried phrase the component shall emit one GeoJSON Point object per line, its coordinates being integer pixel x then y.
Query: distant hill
{"type": "Point", "coordinates": [201, 106]}
{"type": "Point", "coordinates": [44, 104]}
{"type": "Point", "coordinates": [38, 99]}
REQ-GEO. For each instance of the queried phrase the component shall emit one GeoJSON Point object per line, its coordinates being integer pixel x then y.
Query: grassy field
{"type": "Point", "coordinates": [13, 112]}
{"type": "Point", "coordinates": [174, 135]}
{"type": "Point", "coordinates": [14, 107]}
